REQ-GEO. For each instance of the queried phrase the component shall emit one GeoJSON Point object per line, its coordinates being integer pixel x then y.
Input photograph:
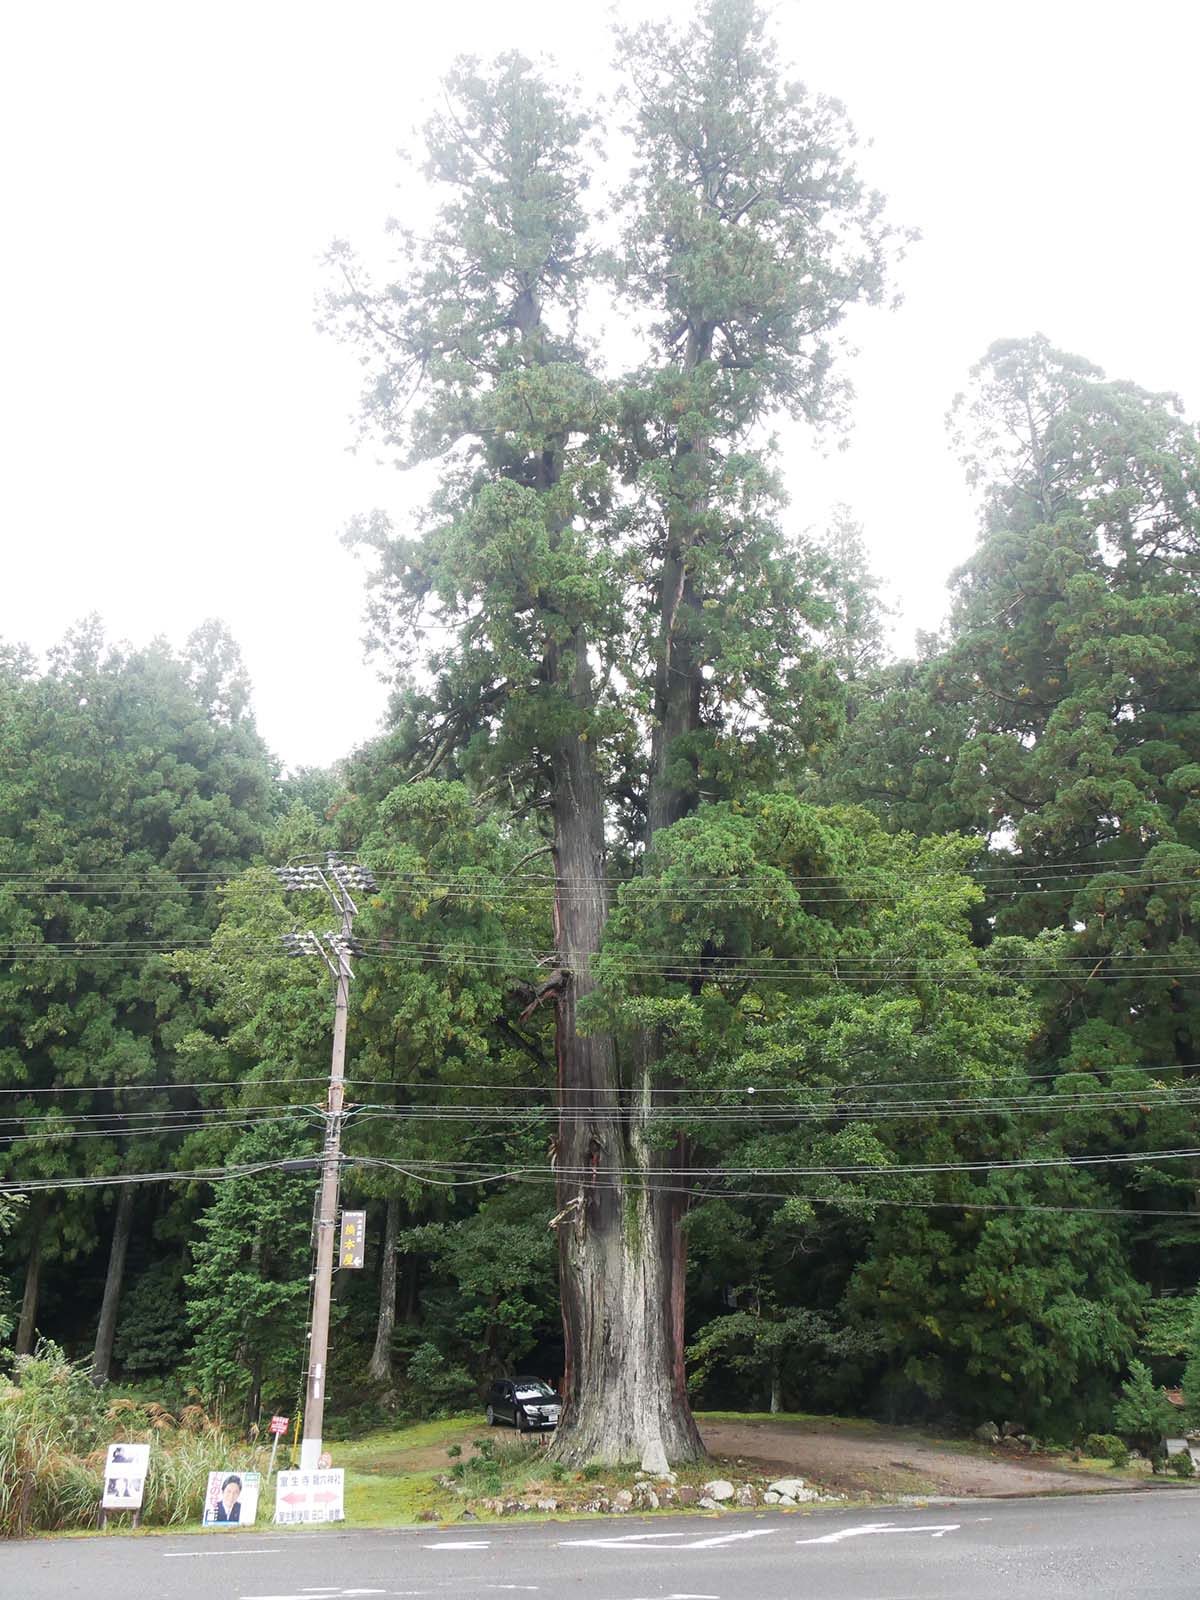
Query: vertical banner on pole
{"type": "Point", "coordinates": [351, 1250]}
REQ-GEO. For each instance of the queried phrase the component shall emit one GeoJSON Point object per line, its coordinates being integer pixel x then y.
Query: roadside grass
{"type": "Point", "coordinates": [383, 1450]}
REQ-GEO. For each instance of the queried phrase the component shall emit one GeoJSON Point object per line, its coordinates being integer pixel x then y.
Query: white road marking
{"type": "Point", "coordinates": [934, 1529]}
{"type": "Point", "coordinates": [246, 1550]}
{"type": "Point", "coordinates": [624, 1538]}
{"type": "Point", "coordinates": [460, 1544]}
{"type": "Point", "coordinates": [725, 1538]}
{"type": "Point", "coordinates": [306, 1594]}
{"type": "Point", "coordinates": [630, 1541]}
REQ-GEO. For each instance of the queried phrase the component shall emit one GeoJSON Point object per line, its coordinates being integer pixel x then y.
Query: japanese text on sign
{"type": "Point", "coordinates": [310, 1496]}
{"type": "Point", "coordinates": [354, 1235]}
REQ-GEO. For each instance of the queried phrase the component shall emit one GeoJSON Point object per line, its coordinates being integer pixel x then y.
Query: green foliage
{"type": "Point", "coordinates": [248, 1288]}
{"type": "Point", "coordinates": [1181, 1464]}
{"type": "Point", "coordinates": [8, 1217]}
{"type": "Point", "coordinates": [1191, 1371]}
{"type": "Point", "coordinates": [1170, 1327]}
{"type": "Point", "coordinates": [437, 1388]}
{"type": "Point", "coordinates": [1107, 1447]}
{"type": "Point", "coordinates": [1143, 1415]}
{"type": "Point", "coordinates": [152, 1333]}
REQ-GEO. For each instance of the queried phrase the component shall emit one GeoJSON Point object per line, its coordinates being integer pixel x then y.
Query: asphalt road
{"type": "Point", "coordinates": [1099, 1546]}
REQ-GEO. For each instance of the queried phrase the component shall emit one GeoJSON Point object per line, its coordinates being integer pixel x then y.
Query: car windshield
{"type": "Point", "coordinates": [534, 1391]}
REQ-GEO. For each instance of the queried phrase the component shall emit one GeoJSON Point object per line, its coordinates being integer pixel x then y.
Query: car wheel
{"type": "Point", "coordinates": [491, 1417]}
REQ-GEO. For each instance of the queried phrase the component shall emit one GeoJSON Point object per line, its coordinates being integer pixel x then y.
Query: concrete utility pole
{"type": "Point", "coordinates": [337, 876]}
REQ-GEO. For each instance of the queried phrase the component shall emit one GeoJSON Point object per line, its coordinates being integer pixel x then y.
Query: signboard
{"type": "Point", "coordinates": [125, 1468]}
{"type": "Point", "coordinates": [279, 1424]}
{"type": "Point", "coordinates": [354, 1239]}
{"type": "Point", "coordinates": [231, 1499]}
{"type": "Point", "coordinates": [310, 1496]}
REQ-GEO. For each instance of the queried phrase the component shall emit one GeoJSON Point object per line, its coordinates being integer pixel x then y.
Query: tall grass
{"type": "Point", "coordinates": [54, 1431]}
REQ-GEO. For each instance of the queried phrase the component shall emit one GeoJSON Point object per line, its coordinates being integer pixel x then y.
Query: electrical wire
{"type": "Point", "coordinates": [865, 1201]}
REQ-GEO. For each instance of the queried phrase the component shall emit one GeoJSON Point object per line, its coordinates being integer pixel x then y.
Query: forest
{"type": "Point", "coordinates": [742, 1017]}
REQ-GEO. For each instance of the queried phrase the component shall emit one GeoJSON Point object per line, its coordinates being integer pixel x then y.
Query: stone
{"type": "Point", "coordinates": [786, 1500]}
{"type": "Point", "coordinates": [707, 1503]}
{"type": "Point", "coordinates": [770, 1498]}
{"type": "Point", "coordinates": [688, 1494]}
{"type": "Point", "coordinates": [746, 1495]}
{"type": "Point", "coordinates": [427, 1515]}
{"type": "Point", "coordinates": [668, 1496]}
{"type": "Point", "coordinates": [719, 1489]}
{"type": "Point", "coordinates": [646, 1497]}
{"type": "Point", "coordinates": [469, 1516]}
{"type": "Point", "coordinates": [1013, 1430]}
{"type": "Point", "coordinates": [790, 1487]}
{"type": "Point", "coordinates": [547, 1505]}
{"type": "Point", "coordinates": [987, 1433]}
{"type": "Point", "coordinates": [623, 1498]}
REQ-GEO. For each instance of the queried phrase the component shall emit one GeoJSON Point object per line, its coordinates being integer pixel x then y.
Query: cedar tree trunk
{"type": "Point", "coordinates": [379, 1368]}
{"type": "Point", "coordinates": [27, 1326]}
{"type": "Point", "coordinates": [107, 1329]}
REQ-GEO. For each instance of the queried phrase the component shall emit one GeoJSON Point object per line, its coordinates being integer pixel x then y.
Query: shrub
{"type": "Point", "coordinates": [54, 1429]}
{"type": "Point", "coordinates": [1107, 1447]}
{"type": "Point", "coordinates": [1143, 1414]}
{"type": "Point", "coordinates": [1181, 1464]}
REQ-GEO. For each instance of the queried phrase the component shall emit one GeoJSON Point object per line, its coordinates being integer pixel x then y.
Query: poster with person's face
{"type": "Point", "coordinates": [231, 1499]}
{"type": "Point", "coordinates": [125, 1467]}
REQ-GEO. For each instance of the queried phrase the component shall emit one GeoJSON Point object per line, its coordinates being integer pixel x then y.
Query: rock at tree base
{"type": "Point", "coordinates": [719, 1489]}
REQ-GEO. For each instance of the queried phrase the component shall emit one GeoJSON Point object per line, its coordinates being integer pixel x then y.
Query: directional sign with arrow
{"type": "Point", "coordinates": [310, 1496]}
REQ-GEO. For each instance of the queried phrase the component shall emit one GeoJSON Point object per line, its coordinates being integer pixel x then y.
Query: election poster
{"type": "Point", "coordinates": [125, 1468]}
{"type": "Point", "coordinates": [231, 1500]}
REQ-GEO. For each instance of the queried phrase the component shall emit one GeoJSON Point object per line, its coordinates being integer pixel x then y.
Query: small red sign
{"type": "Point", "coordinates": [279, 1424]}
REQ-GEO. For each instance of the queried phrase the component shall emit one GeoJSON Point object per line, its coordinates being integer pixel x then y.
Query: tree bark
{"type": "Point", "coordinates": [27, 1326]}
{"type": "Point", "coordinates": [622, 1249]}
{"type": "Point", "coordinates": [379, 1368]}
{"type": "Point", "coordinates": [620, 1245]}
{"type": "Point", "coordinates": [107, 1329]}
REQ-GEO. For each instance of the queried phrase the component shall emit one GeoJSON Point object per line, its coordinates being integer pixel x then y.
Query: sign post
{"type": "Point", "coordinates": [279, 1426]}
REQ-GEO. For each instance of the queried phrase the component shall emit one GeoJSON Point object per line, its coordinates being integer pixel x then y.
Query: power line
{"type": "Point", "coordinates": [549, 1177]}
{"type": "Point", "coordinates": [451, 1086]}
{"type": "Point", "coordinates": [870, 1201]}
{"type": "Point", "coordinates": [197, 1175]}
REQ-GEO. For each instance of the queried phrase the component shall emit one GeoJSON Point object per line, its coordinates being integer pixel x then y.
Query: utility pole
{"type": "Point", "coordinates": [337, 877]}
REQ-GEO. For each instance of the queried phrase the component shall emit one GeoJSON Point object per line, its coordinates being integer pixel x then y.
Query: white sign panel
{"type": "Point", "coordinates": [310, 1496]}
{"type": "Point", "coordinates": [125, 1468]}
{"type": "Point", "coordinates": [231, 1499]}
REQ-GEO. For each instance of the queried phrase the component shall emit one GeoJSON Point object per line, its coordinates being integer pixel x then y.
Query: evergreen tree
{"type": "Point", "coordinates": [747, 236]}
{"type": "Point", "coordinates": [128, 782]}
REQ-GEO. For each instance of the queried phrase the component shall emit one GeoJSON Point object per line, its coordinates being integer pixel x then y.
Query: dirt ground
{"type": "Point", "coordinates": [852, 1458]}
{"type": "Point", "coordinates": [845, 1458]}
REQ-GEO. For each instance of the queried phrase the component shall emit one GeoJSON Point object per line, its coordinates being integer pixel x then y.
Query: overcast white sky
{"type": "Point", "coordinates": [174, 433]}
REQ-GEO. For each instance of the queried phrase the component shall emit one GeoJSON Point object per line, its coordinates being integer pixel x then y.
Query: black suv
{"type": "Point", "coordinates": [525, 1402]}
